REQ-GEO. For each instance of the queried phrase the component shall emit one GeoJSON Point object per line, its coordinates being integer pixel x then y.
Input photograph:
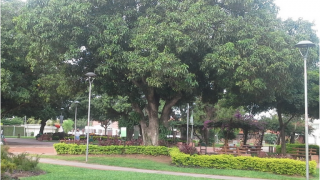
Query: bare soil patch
{"type": "Point", "coordinates": [19, 174]}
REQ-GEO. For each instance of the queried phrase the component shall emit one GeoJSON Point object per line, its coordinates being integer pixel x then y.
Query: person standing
{"type": "Point", "coordinates": [77, 135]}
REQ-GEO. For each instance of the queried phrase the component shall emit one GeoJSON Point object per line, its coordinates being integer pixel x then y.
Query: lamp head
{"type": "Point", "coordinates": [305, 44]}
{"type": "Point", "coordinates": [76, 102]}
{"type": "Point", "coordinates": [304, 47]}
{"type": "Point", "coordinates": [90, 74]}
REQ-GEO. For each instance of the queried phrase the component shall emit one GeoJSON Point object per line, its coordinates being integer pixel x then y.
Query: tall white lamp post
{"type": "Point", "coordinates": [90, 76]}
{"type": "Point", "coordinates": [75, 119]}
{"type": "Point", "coordinates": [304, 49]}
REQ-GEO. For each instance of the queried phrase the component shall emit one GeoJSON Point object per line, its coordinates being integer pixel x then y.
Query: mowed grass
{"type": "Point", "coordinates": [55, 172]}
{"type": "Point", "coordinates": [152, 165]}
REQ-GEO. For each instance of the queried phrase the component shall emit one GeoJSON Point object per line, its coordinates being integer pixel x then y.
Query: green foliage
{"type": "Point", "coordinates": [67, 125]}
{"type": "Point", "coordinates": [20, 162]}
{"type": "Point", "coordinates": [7, 166]}
{"type": "Point", "coordinates": [32, 120]}
{"type": "Point", "coordinates": [270, 138]}
{"type": "Point", "coordinates": [290, 146]}
{"type": "Point", "coordinates": [163, 132]}
{"type": "Point", "coordinates": [13, 121]}
{"type": "Point", "coordinates": [231, 134]}
{"type": "Point", "coordinates": [25, 163]}
{"type": "Point", "coordinates": [62, 148]}
{"type": "Point", "coordinates": [274, 165]}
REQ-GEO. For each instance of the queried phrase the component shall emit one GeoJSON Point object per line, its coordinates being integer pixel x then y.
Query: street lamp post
{"type": "Point", "coordinates": [75, 119]}
{"type": "Point", "coordinates": [61, 119]}
{"type": "Point", "coordinates": [90, 76]}
{"type": "Point", "coordinates": [304, 48]}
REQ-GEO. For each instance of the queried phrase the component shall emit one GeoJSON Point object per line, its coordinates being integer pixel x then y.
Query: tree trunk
{"type": "Point", "coordinates": [282, 133]}
{"type": "Point", "coordinates": [167, 110]}
{"type": "Point", "coordinates": [278, 139]}
{"type": "Point", "coordinates": [261, 139]}
{"type": "Point", "coordinates": [292, 137]}
{"type": "Point", "coordinates": [129, 133]}
{"type": "Point", "coordinates": [43, 124]}
{"type": "Point", "coordinates": [245, 136]}
{"type": "Point", "coordinates": [226, 139]}
{"type": "Point", "coordinates": [150, 128]}
{"type": "Point", "coordinates": [150, 134]}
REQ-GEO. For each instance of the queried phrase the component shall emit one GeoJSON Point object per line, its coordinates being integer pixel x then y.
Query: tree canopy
{"type": "Point", "coordinates": [152, 55]}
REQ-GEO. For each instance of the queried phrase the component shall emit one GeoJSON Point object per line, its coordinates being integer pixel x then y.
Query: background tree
{"type": "Point", "coordinates": [67, 125]}
{"type": "Point", "coordinates": [30, 86]}
{"type": "Point", "coordinates": [268, 70]}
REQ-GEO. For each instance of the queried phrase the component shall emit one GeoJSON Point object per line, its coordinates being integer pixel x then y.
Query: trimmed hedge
{"type": "Point", "coordinates": [290, 146]}
{"type": "Point", "coordinates": [62, 148]}
{"type": "Point", "coordinates": [274, 165]}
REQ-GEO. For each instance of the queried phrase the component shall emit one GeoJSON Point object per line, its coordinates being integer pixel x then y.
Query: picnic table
{"type": "Point", "coordinates": [253, 149]}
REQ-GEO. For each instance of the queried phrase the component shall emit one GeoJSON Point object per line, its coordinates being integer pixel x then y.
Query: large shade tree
{"type": "Point", "coordinates": [143, 49]}
{"type": "Point", "coordinates": [152, 50]}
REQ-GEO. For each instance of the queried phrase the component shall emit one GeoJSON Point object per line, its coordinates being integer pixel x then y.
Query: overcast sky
{"type": "Point", "coordinates": [305, 9]}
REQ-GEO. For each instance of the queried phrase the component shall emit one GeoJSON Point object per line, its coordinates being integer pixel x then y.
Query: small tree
{"type": "Point", "coordinates": [67, 125]}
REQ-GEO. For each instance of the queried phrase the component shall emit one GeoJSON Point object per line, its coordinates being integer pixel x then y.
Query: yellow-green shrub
{"type": "Point", "coordinates": [62, 148]}
{"type": "Point", "coordinates": [274, 165]}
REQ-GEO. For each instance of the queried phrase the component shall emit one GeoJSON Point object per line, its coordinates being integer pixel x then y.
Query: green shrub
{"type": "Point", "coordinates": [62, 148]}
{"type": "Point", "coordinates": [7, 166]}
{"type": "Point", "coordinates": [10, 162]}
{"type": "Point", "coordinates": [25, 163]}
{"type": "Point", "coordinates": [12, 121]}
{"type": "Point", "coordinates": [274, 165]}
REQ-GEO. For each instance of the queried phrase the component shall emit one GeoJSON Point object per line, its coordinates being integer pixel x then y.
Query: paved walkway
{"type": "Point", "coordinates": [114, 168]}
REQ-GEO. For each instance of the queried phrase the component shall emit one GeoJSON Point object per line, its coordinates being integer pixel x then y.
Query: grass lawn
{"type": "Point", "coordinates": [161, 166]}
{"type": "Point", "coordinates": [55, 172]}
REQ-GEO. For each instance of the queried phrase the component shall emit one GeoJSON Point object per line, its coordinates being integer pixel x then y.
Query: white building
{"type": "Point", "coordinates": [314, 137]}
{"type": "Point", "coordinates": [33, 129]}
{"type": "Point", "coordinates": [96, 128]}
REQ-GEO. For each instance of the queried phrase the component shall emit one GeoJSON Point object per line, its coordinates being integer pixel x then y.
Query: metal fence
{"type": "Point", "coordinates": [13, 130]}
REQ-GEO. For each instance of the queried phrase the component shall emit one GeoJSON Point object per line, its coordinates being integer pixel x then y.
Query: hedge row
{"type": "Point", "coordinates": [290, 146]}
{"type": "Point", "coordinates": [274, 165]}
{"type": "Point", "coordinates": [62, 148]}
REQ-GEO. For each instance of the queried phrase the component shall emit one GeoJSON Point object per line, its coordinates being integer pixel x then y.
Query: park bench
{"type": "Point", "coordinates": [253, 149]}
{"type": "Point", "coordinates": [299, 153]}
{"type": "Point", "coordinates": [238, 151]}
{"type": "Point", "coordinates": [47, 137]}
{"type": "Point", "coordinates": [243, 150]}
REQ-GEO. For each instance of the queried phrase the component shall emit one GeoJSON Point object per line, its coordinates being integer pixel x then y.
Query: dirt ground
{"type": "Point", "coordinates": [33, 150]}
